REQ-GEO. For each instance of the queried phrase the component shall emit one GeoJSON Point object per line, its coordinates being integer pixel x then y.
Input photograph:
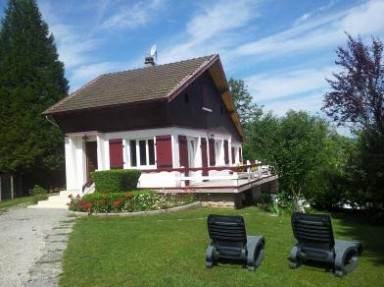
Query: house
{"type": "Point", "coordinates": [175, 122]}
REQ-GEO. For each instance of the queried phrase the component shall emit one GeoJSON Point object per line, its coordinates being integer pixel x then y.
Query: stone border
{"type": "Point", "coordinates": [190, 206]}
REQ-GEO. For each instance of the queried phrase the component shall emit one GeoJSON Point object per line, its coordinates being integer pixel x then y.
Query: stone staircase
{"type": "Point", "coordinates": [57, 201]}
{"type": "Point", "coordinates": [62, 199]}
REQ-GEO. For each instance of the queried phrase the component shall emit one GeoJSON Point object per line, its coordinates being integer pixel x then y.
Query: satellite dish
{"type": "Point", "coordinates": [154, 52]}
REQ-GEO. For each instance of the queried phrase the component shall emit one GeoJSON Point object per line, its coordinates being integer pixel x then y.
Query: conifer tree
{"type": "Point", "coordinates": [31, 80]}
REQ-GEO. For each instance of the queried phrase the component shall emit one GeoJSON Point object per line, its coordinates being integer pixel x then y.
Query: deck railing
{"type": "Point", "coordinates": [216, 173]}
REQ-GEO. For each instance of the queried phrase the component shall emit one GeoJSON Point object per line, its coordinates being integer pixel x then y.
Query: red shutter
{"type": "Point", "coordinates": [226, 153]}
{"type": "Point", "coordinates": [183, 151]}
{"type": "Point", "coordinates": [212, 156]}
{"type": "Point", "coordinates": [164, 151]}
{"type": "Point", "coordinates": [116, 153]}
{"type": "Point", "coordinates": [204, 158]}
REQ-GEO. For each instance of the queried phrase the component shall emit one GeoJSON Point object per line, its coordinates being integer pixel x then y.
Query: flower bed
{"type": "Point", "coordinates": [128, 201]}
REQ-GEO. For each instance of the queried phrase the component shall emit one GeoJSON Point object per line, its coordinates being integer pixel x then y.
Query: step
{"type": "Point", "coordinates": [57, 201]}
{"type": "Point", "coordinates": [47, 204]}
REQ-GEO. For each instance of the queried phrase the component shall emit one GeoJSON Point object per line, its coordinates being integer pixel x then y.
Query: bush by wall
{"type": "Point", "coordinates": [128, 201]}
{"type": "Point", "coordinates": [115, 180]}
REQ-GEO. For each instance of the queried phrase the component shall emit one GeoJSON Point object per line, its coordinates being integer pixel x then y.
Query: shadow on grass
{"type": "Point", "coordinates": [353, 225]}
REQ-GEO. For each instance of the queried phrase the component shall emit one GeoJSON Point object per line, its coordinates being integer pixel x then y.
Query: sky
{"type": "Point", "coordinates": [282, 49]}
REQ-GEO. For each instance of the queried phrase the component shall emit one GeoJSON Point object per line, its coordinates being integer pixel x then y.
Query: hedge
{"type": "Point", "coordinates": [115, 180]}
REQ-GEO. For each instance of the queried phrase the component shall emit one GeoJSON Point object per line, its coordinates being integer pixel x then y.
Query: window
{"type": "Point", "coordinates": [218, 152]}
{"type": "Point", "coordinates": [133, 157]}
{"type": "Point", "coordinates": [142, 152]}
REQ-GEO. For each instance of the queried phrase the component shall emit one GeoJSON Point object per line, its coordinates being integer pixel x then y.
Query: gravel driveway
{"type": "Point", "coordinates": [32, 242]}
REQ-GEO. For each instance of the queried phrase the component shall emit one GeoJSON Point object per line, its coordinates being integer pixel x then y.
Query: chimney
{"type": "Point", "coordinates": [149, 61]}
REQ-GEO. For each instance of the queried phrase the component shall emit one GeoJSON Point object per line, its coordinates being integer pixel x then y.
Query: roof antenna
{"type": "Point", "coordinates": [152, 58]}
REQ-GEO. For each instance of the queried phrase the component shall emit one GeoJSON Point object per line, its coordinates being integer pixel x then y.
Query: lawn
{"type": "Point", "coordinates": [7, 203]}
{"type": "Point", "coordinates": [169, 250]}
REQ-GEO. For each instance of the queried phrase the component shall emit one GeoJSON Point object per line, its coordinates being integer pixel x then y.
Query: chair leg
{"type": "Point", "coordinates": [346, 262]}
{"type": "Point", "coordinates": [255, 248]}
{"type": "Point", "coordinates": [209, 257]}
{"type": "Point", "coordinates": [294, 260]}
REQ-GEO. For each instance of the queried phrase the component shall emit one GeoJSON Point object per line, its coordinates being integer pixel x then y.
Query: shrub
{"type": "Point", "coordinates": [115, 180]}
{"type": "Point", "coordinates": [128, 201]}
{"type": "Point", "coordinates": [39, 193]}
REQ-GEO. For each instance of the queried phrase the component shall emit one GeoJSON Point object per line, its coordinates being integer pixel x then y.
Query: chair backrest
{"type": "Point", "coordinates": [313, 231]}
{"type": "Point", "coordinates": [227, 232]}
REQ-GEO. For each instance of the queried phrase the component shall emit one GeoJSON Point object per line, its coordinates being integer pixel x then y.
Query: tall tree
{"type": "Point", "coordinates": [357, 94]}
{"type": "Point", "coordinates": [246, 110]}
{"type": "Point", "coordinates": [31, 79]}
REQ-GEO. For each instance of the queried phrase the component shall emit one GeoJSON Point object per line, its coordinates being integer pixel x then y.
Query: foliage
{"type": "Point", "coordinates": [293, 144]}
{"type": "Point", "coordinates": [127, 201]}
{"type": "Point", "coordinates": [38, 193]}
{"type": "Point", "coordinates": [261, 138]}
{"type": "Point", "coordinates": [115, 180]}
{"type": "Point", "coordinates": [357, 90]}
{"type": "Point", "coordinates": [329, 184]}
{"type": "Point", "coordinates": [243, 102]}
{"type": "Point", "coordinates": [31, 80]}
{"type": "Point", "coordinates": [357, 97]}
{"type": "Point", "coordinates": [168, 250]}
{"type": "Point", "coordinates": [366, 169]}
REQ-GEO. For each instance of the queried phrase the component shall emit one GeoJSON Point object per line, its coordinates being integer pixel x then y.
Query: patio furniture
{"type": "Point", "coordinates": [316, 243]}
{"type": "Point", "coordinates": [229, 242]}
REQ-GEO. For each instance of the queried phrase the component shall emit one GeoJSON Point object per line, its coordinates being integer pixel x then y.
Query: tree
{"type": "Point", "coordinates": [246, 110]}
{"type": "Point", "coordinates": [292, 144]}
{"type": "Point", "coordinates": [357, 94]}
{"type": "Point", "coordinates": [31, 79]}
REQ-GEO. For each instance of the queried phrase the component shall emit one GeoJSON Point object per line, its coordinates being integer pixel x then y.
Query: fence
{"type": "Point", "coordinates": [10, 186]}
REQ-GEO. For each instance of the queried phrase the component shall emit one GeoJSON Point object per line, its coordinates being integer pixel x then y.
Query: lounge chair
{"type": "Point", "coordinates": [229, 241]}
{"type": "Point", "coordinates": [316, 242]}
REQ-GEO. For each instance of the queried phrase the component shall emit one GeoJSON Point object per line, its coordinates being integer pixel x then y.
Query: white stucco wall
{"type": "Point", "coordinates": [75, 157]}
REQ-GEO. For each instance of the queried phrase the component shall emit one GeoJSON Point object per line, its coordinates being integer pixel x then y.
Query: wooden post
{"type": "Point", "coordinates": [12, 192]}
{"type": "Point", "coordinates": [0, 186]}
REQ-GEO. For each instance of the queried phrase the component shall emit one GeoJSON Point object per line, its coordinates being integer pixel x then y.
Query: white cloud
{"type": "Point", "coordinates": [133, 16]}
{"type": "Point", "coordinates": [327, 31]}
{"type": "Point", "coordinates": [213, 28]}
{"type": "Point", "coordinates": [280, 85]}
{"type": "Point", "coordinates": [311, 103]}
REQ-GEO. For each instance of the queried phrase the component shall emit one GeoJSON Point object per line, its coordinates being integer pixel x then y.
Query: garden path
{"type": "Point", "coordinates": [32, 242]}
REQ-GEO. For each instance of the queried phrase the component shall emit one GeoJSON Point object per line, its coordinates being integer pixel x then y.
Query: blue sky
{"type": "Point", "coordinates": [282, 49]}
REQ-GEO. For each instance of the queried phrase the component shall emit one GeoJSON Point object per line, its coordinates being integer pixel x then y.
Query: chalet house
{"type": "Point", "coordinates": [175, 122]}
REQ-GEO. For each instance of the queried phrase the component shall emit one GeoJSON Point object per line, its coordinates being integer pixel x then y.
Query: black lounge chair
{"type": "Point", "coordinates": [231, 243]}
{"type": "Point", "coordinates": [316, 242]}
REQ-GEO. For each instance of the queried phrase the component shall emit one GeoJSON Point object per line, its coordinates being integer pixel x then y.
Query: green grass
{"type": "Point", "coordinates": [169, 250]}
{"type": "Point", "coordinates": [5, 204]}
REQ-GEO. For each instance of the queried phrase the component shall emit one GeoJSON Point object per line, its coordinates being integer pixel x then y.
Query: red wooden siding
{"type": "Point", "coordinates": [212, 156]}
{"type": "Point", "coordinates": [226, 153]}
{"type": "Point", "coordinates": [204, 158]}
{"type": "Point", "coordinates": [164, 151]}
{"type": "Point", "coordinates": [183, 151]}
{"type": "Point", "coordinates": [116, 153]}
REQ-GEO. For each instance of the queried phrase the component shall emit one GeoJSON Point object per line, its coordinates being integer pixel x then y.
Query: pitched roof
{"type": "Point", "coordinates": [149, 83]}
